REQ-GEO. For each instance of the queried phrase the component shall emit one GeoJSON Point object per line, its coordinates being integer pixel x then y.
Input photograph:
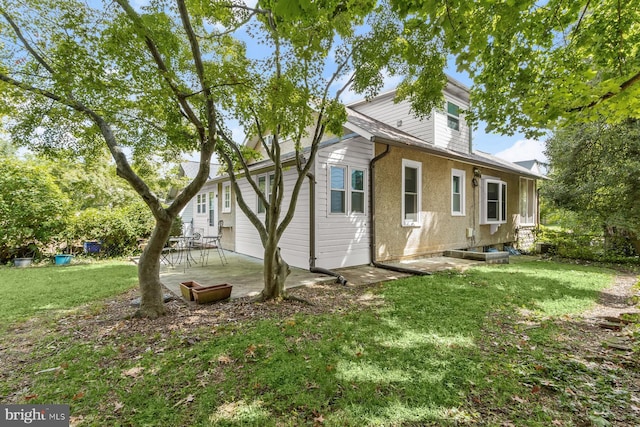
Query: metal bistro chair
{"type": "Point", "coordinates": [214, 242]}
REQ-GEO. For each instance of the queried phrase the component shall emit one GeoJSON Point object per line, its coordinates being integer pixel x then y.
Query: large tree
{"type": "Point", "coordinates": [164, 78]}
{"type": "Point", "coordinates": [535, 64]}
{"type": "Point", "coordinates": [315, 51]}
{"type": "Point", "coordinates": [143, 82]}
{"type": "Point", "coordinates": [596, 173]}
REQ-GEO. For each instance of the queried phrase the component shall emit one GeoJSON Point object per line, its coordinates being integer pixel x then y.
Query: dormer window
{"type": "Point", "coordinates": [453, 116]}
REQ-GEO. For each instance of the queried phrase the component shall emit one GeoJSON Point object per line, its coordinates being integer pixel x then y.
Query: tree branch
{"type": "Point", "coordinates": [162, 67]}
{"type": "Point", "coordinates": [624, 86]}
{"type": "Point", "coordinates": [26, 44]}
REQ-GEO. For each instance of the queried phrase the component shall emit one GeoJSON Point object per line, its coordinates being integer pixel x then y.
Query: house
{"type": "Point", "coordinates": [194, 209]}
{"type": "Point", "coordinates": [391, 187]}
{"type": "Point", "coordinates": [535, 165]}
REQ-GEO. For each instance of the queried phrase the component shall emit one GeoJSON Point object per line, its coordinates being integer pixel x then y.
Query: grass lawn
{"type": "Point", "coordinates": [492, 346]}
{"type": "Point", "coordinates": [27, 292]}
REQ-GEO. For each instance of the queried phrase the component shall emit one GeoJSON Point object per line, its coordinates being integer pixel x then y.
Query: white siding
{"type": "Point", "coordinates": [295, 240]}
{"type": "Point", "coordinates": [342, 240]}
{"type": "Point", "coordinates": [200, 221]}
{"type": "Point", "coordinates": [388, 112]}
{"type": "Point", "coordinates": [457, 140]}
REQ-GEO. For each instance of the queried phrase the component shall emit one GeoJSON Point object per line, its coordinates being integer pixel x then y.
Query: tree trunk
{"type": "Point", "coordinates": [151, 304]}
{"type": "Point", "coordinates": [276, 271]}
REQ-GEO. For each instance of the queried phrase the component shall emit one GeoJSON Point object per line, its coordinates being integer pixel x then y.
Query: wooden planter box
{"type": "Point", "coordinates": [187, 287]}
{"type": "Point", "coordinates": [205, 294]}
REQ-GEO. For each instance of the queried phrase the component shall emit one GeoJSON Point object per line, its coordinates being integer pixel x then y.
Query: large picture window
{"type": "Point", "coordinates": [411, 192]}
{"type": "Point", "coordinates": [494, 201]}
{"type": "Point", "coordinates": [527, 201]}
{"type": "Point", "coordinates": [457, 192]}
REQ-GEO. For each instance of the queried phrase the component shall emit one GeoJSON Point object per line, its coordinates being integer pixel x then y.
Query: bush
{"type": "Point", "coordinates": [117, 229]}
{"type": "Point", "coordinates": [32, 208]}
{"type": "Point", "coordinates": [588, 246]}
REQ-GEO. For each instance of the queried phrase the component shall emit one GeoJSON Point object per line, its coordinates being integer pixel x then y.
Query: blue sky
{"type": "Point", "coordinates": [513, 148]}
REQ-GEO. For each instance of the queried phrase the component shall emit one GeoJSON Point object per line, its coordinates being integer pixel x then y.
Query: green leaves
{"type": "Point", "coordinates": [537, 66]}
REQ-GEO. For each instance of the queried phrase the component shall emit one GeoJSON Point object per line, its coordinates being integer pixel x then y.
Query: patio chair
{"type": "Point", "coordinates": [214, 242]}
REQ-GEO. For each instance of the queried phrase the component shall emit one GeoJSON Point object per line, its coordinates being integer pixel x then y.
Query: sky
{"type": "Point", "coordinates": [512, 148]}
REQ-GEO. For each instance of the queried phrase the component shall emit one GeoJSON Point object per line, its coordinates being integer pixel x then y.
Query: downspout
{"type": "Point", "coordinates": [312, 235]}
{"type": "Point", "coordinates": [372, 221]}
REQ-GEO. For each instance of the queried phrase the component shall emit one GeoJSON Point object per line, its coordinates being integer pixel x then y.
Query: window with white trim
{"type": "Point", "coordinates": [266, 189]}
{"type": "Point", "coordinates": [457, 192]}
{"type": "Point", "coordinates": [212, 209]}
{"type": "Point", "coordinates": [201, 203]}
{"type": "Point", "coordinates": [338, 189]}
{"type": "Point", "coordinates": [226, 197]}
{"type": "Point", "coordinates": [411, 192]}
{"type": "Point", "coordinates": [453, 116]}
{"type": "Point", "coordinates": [527, 201]}
{"type": "Point", "coordinates": [494, 201]}
{"type": "Point", "coordinates": [357, 191]}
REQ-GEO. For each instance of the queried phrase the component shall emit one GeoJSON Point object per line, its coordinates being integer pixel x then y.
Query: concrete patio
{"type": "Point", "coordinates": [245, 272]}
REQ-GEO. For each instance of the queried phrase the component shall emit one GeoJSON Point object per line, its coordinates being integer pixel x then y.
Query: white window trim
{"type": "Point", "coordinates": [351, 190]}
{"type": "Point", "coordinates": [463, 182]}
{"type": "Point", "coordinates": [348, 191]}
{"type": "Point", "coordinates": [268, 178]}
{"type": "Point", "coordinates": [201, 203]}
{"type": "Point", "coordinates": [483, 199]}
{"type": "Point", "coordinates": [416, 165]}
{"type": "Point", "coordinates": [226, 190]}
{"type": "Point", "coordinates": [330, 189]}
{"type": "Point", "coordinates": [534, 216]}
{"type": "Point", "coordinates": [453, 116]}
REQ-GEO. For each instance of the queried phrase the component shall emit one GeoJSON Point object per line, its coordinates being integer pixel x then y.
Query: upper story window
{"type": "Point", "coordinates": [453, 116]}
{"type": "Point", "coordinates": [201, 203]}
{"type": "Point", "coordinates": [494, 201]}
{"type": "Point", "coordinates": [226, 197]}
{"type": "Point", "coordinates": [457, 192]}
{"type": "Point", "coordinates": [411, 192]}
{"type": "Point", "coordinates": [527, 201]}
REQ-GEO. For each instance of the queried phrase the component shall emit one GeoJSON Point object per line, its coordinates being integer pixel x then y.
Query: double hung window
{"type": "Point", "coordinates": [347, 190]}
{"type": "Point", "coordinates": [457, 192]}
{"type": "Point", "coordinates": [411, 192]}
{"type": "Point", "coordinates": [494, 201]}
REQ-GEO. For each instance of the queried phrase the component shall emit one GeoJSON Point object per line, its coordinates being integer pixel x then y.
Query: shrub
{"type": "Point", "coordinates": [588, 246]}
{"type": "Point", "coordinates": [118, 229]}
{"type": "Point", "coordinates": [32, 208]}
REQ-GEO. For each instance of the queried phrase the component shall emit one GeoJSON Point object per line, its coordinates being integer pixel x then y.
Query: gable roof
{"type": "Point", "coordinates": [190, 169]}
{"type": "Point", "coordinates": [377, 131]}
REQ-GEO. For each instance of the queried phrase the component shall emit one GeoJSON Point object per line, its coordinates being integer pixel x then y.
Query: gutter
{"type": "Point", "coordinates": [312, 235]}
{"type": "Point", "coordinates": [372, 218]}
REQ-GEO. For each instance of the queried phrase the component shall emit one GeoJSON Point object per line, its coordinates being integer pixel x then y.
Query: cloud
{"type": "Point", "coordinates": [524, 149]}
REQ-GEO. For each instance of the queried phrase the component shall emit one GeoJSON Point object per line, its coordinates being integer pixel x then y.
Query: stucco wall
{"type": "Point", "coordinates": [439, 230]}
